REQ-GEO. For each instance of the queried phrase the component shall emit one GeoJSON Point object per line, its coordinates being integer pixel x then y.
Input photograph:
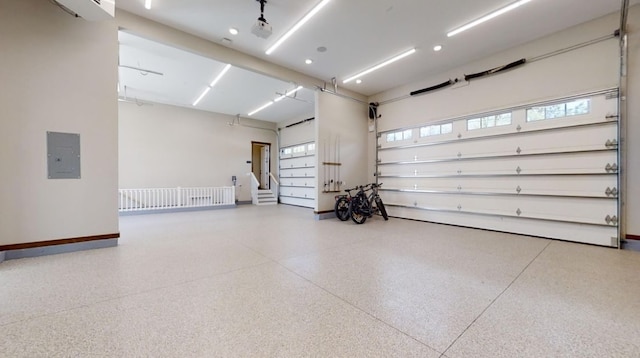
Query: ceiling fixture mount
{"type": "Point", "coordinates": [287, 94]}
{"type": "Point", "coordinates": [488, 17]}
{"type": "Point", "coordinates": [298, 25]}
{"type": "Point", "coordinates": [261, 28]}
{"type": "Point", "coordinates": [378, 66]}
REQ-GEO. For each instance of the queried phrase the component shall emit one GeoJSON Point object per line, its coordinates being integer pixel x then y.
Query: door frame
{"type": "Point", "coordinates": [255, 145]}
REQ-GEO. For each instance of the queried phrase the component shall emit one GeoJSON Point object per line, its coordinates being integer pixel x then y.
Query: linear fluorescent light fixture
{"type": "Point", "coordinates": [261, 108]}
{"type": "Point", "coordinates": [379, 66]}
{"type": "Point", "coordinates": [298, 25]}
{"type": "Point", "coordinates": [488, 17]}
{"type": "Point", "coordinates": [287, 94]}
{"type": "Point", "coordinates": [213, 83]}
{"type": "Point", "coordinates": [147, 4]}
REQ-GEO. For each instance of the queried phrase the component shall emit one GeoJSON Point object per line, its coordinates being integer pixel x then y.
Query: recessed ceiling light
{"type": "Point", "coordinates": [378, 66]}
{"type": "Point", "coordinates": [358, 81]}
{"type": "Point", "coordinates": [233, 31]}
{"type": "Point", "coordinates": [488, 17]}
{"type": "Point", "coordinates": [147, 4]}
{"type": "Point", "coordinates": [308, 61]}
{"type": "Point", "coordinates": [437, 48]}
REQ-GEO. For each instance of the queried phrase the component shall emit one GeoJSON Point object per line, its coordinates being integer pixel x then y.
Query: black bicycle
{"type": "Point", "coordinates": [342, 205]}
{"type": "Point", "coordinates": [362, 206]}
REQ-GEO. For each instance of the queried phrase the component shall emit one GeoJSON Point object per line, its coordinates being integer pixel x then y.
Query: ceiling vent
{"type": "Point", "coordinates": [91, 10]}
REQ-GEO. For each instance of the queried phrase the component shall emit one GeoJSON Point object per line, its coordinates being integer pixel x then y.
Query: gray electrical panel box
{"type": "Point", "coordinates": [63, 155]}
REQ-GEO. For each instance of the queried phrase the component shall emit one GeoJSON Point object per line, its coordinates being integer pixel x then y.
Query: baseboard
{"type": "Point", "coordinates": [176, 210]}
{"type": "Point", "coordinates": [632, 237]}
{"type": "Point", "coordinates": [324, 215]}
{"type": "Point", "coordinates": [52, 247]}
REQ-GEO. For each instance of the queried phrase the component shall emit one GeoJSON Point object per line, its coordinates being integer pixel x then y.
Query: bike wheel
{"type": "Point", "coordinates": [356, 212]}
{"type": "Point", "coordinates": [382, 209]}
{"type": "Point", "coordinates": [342, 209]}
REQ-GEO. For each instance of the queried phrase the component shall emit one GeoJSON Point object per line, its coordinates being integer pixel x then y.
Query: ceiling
{"type": "Point", "coordinates": [168, 75]}
{"type": "Point", "coordinates": [357, 34]}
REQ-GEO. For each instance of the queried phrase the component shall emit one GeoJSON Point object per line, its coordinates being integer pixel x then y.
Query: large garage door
{"type": "Point", "coordinates": [545, 169]}
{"type": "Point", "coordinates": [298, 174]}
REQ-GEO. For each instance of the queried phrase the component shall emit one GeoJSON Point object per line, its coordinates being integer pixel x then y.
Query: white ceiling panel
{"type": "Point", "coordinates": [361, 33]}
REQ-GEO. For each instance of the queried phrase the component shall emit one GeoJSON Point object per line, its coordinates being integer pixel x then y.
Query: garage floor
{"type": "Point", "coordinates": [272, 282]}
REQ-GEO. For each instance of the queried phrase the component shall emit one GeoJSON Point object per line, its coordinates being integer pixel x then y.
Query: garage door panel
{"type": "Point", "coordinates": [590, 234]}
{"type": "Point", "coordinates": [551, 170]}
{"type": "Point", "coordinates": [539, 185]}
{"type": "Point", "coordinates": [297, 174]}
{"type": "Point", "coordinates": [581, 162]}
{"type": "Point", "coordinates": [576, 139]}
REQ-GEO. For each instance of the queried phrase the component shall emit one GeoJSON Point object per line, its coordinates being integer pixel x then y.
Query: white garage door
{"type": "Point", "coordinates": [546, 169]}
{"type": "Point", "coordinates": [297, 174]}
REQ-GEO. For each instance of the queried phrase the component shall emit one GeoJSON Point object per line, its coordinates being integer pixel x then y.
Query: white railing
{"type": "Point", "coordinates": [255, 185]}
{"type": "Point", "coordinates": [277, 185]}
{"type": "Point", "coordinates": [174, 198]}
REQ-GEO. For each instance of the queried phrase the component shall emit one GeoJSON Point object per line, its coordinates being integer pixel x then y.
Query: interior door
{"type": "Point", "coordinates": [264, 167]}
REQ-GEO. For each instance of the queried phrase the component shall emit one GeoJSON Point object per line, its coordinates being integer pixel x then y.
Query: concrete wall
{"type": "Point", "coordinates": [164, 146]}
{"type": "Point", "coordinates": [57, 73]}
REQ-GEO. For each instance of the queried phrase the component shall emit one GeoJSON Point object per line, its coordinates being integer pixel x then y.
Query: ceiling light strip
{"type": "Point", "coordinates": [488, 17]}
{"type": "Point", "coordinates": [147, 4]}
{"type": "Point", "coordinates": [213, 83]}
{"type": "Point", "coordinates": [379, 66]}
{"type": "Point", "coordinates": [295, 27]}
{"type": "Point", "coordinates": [224, 70]}
{"type": "Point", "coordinates": [261, 108]}
{"type": "Point", "coordinates": [202, 96]}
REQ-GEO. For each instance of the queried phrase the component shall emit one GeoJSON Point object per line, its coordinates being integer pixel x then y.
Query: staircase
{"type": "Point", "coordinates": [266, 197]}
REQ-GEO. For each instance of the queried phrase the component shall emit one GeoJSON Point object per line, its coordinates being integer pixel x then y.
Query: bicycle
{"type": "Point", "coordinates": [361, 206]}
{"type": "Point", "coordinates": [341, 207]}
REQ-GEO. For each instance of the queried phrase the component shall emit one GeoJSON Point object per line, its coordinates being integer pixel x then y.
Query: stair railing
{"type": "Point", "coordinates": [277, 186]}
{"type": "Point", "coordinates": [255, 185]}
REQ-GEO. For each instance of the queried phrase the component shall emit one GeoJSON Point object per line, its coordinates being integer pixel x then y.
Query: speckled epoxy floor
{"type": "Point", "coordinates": [273, 282]}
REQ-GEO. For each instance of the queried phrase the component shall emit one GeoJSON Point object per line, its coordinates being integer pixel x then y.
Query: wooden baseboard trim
{"type": "Point", "coordinates": [632, 237]}
{"type": "Point", "coordinates": [74, 240]}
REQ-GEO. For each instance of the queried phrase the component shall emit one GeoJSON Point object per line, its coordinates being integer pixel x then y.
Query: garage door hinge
{"type": "Point", "coordinates": [611, 167]}
{"type": "Point", "coordinates": [518, 211]}
{"type": "Point", "coordinates": [611, 192]}
{"type": "Point", "coordinates": [611, 220]}
{"type": "Point", "coordinates": [611, 143]}
{"type": "Point", "coordinates": [518, 150]}
{"type": "Point", "coordinates": [519, 189]}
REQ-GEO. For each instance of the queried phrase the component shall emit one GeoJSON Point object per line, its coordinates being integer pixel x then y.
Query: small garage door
{"type": "Point", "coordinates": [545, 169]}
{"type": "Point", "coordinates": [298, 174]}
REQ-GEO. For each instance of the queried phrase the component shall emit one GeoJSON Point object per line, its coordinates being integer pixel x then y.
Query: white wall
{"type": "Point", "coordinates": [590, 68]}
{"type": "Point", "coordinates": [633, 121]}
{"type": "Point", "coordinates": [296, 134]}
{"type": "Point", "coordinates": [57, 73]}
{"type": "Point", "coordinates": [164, 146]}
{"type": "Point", "coordinates": [345, 120]}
